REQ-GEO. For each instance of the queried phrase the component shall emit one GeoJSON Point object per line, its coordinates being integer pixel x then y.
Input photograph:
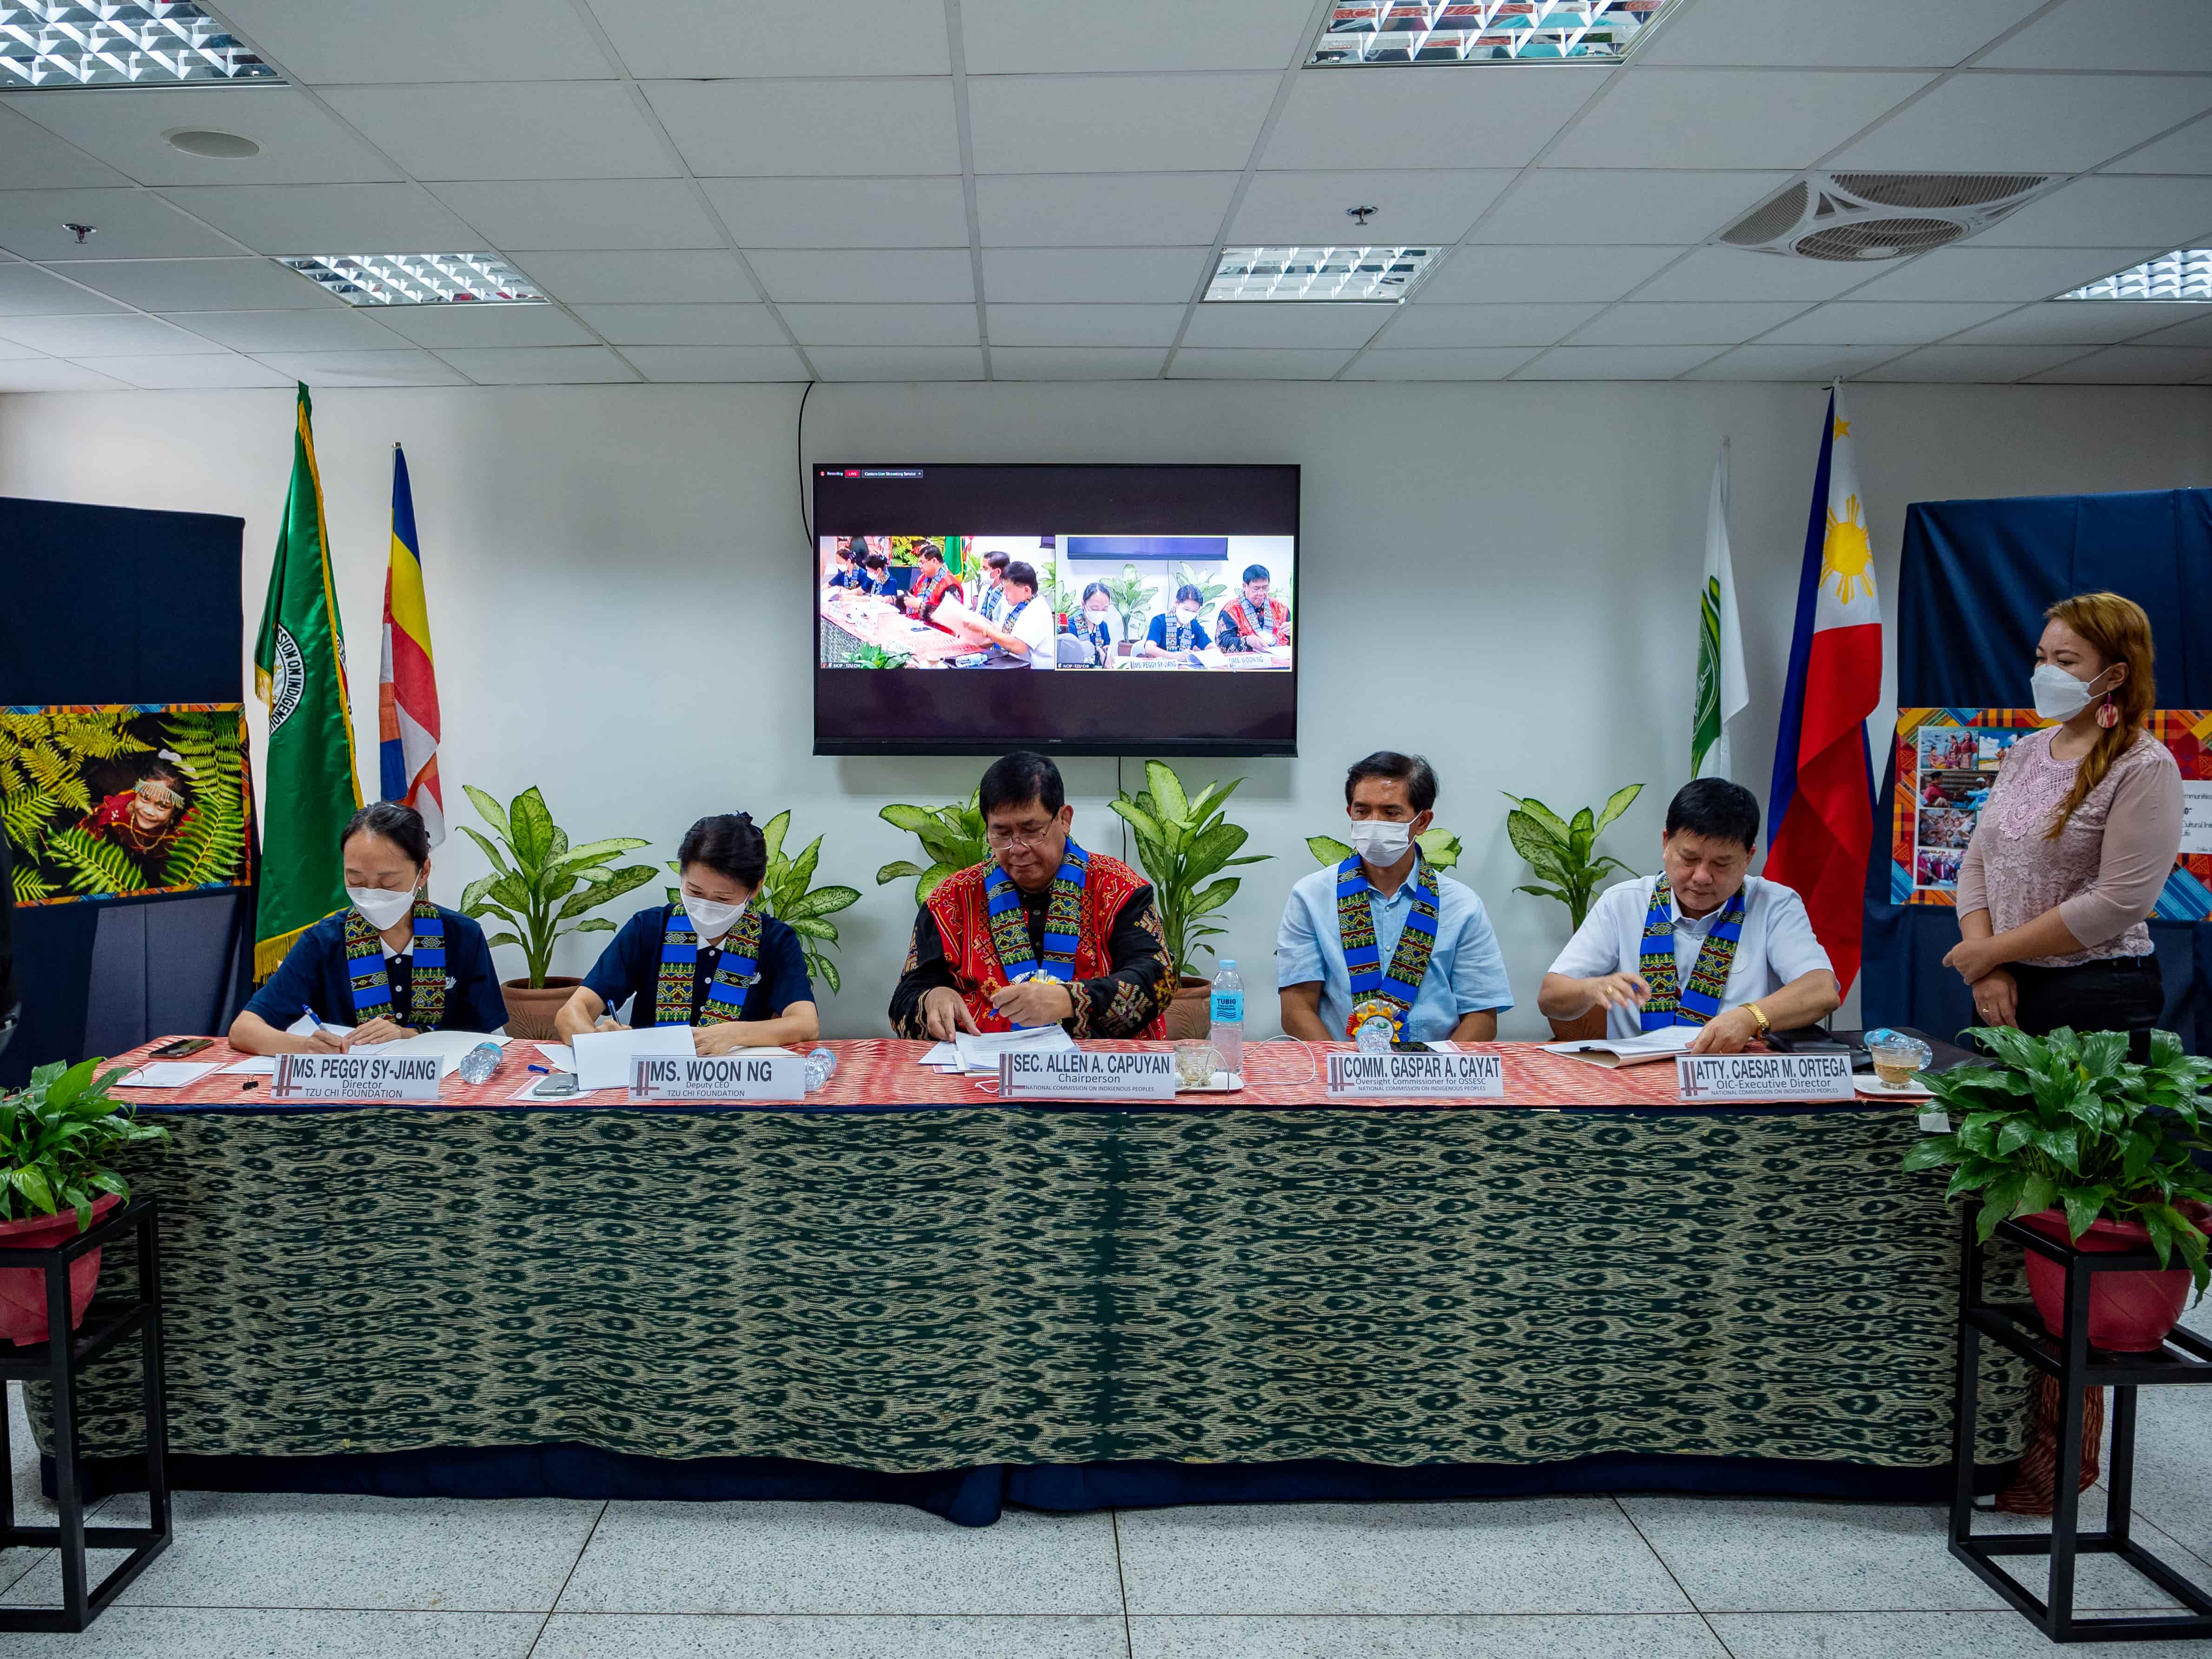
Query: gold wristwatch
{"type": "Point", "coordinates": [1760, 1014]}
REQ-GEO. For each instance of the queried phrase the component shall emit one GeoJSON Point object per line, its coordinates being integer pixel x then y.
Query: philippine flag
{"type": "Point", "coordinates": [407, 687]}
{"type": "Point", "coordinates": [1820, 811]}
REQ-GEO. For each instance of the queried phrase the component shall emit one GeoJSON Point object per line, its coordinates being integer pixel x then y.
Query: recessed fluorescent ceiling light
{"type": "Point", "coordinates": [1480, 31]}
{"type": "Point", "coordinates": [419, 279]}
{"type": "Point", "coordinates": [2184, 273]}
{"type": "Point", "coordinates": [151, 42]}
{"type": "Point", "coordinates": [1316, 272]}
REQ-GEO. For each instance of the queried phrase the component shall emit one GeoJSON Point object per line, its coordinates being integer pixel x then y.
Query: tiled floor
{"type": "Point", "coordinates": [1635, 1577]}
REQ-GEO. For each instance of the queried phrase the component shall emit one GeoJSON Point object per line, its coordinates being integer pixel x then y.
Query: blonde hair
{"type": "Point", "coordinates": [2119, 632]}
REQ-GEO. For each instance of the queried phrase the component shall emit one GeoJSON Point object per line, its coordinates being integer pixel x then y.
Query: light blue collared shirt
{"type": "Point", "coordinates": [1467, 972]}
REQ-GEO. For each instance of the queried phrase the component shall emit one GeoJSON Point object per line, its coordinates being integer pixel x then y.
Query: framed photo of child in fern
{"type": "Point", "coordinates": [124, 801]}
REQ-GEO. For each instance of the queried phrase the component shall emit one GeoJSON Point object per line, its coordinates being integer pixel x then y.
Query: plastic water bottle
{"type": "Point", "coordinates": [1227, 1010]}
{"type": "Point", "coordinates": [479, 1063]}
{"type": "Point", "coordinates": [820, 1064]}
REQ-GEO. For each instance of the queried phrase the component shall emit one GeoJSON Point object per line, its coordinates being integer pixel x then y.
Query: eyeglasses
{"type": "Point", "coordinates": [1004, 840]}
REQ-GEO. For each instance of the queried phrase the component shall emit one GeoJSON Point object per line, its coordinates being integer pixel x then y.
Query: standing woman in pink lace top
{"type": "Point", "coordinates": [2076, 840]}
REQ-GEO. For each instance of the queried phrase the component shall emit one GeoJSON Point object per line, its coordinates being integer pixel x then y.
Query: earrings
{"type": "Point", "coordinates": [2107, 716]}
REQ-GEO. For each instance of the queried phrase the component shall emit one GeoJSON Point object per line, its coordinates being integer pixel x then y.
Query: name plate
{"type": "Point", "coordinates": [1439, 1077]}
{"type": "Point", "coordinates": [1764, 1077]}
{"type": "Point", "coordinates": [1146, 1075]}
{"type": "Point", "coordinates": [717, 1077]}
{"type": "Point", "coordinates": [355, 1077]}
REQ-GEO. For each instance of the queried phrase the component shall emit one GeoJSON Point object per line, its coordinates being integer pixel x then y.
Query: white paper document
{"type": "Point", "coordinates": [447, 1046]}
{"type": "Point", "coordinates": [980, 1053]}
{"type": "Point", "coordinates": [602, 1058]}
{"type": "Point", "coordinates": [260, 1066]}
{"type": "Point", "coordinates": [308, 1025]}
{"type": "Point", "coordinates": [559, 1056]}
{"type": "Point", "coordinates": [1641, 1050]}
{"type": "Point", "coordinates": [167, 1074]}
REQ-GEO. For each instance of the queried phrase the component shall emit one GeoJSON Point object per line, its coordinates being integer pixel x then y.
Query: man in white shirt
{"type": "Point", "coordinates": [1705, 944]}
{"type": "Point", "coordinates": [1024, 631]}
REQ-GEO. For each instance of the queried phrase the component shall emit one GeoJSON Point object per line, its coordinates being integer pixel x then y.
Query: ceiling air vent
{"type": "Point", "coordinates": [1854, 216]}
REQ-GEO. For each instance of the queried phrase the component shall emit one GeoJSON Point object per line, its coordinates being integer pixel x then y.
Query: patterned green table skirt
{"type": "Point", "coordinates": [934, 1288]}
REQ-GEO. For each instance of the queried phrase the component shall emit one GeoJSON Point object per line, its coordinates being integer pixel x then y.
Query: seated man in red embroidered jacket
{"type": "Point", "coordinates": [1042, 933]}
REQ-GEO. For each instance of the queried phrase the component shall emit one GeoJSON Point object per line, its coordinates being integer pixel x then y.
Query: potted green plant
{"type": "Point", "coordinates": [56, 1139]}
{"type": "Point", "coordinates": [1564, 851]}
{"type": "Point", "coordinates": [2067, 1135]}
{"type": "Point", "coordinates": [786, 893]}
{"type": "Point", "coordinates": [951, 837]}
{"type": "Point", "coordinates": [1183, 843]}
{"type": "Point", "coordinates": [540, 886]}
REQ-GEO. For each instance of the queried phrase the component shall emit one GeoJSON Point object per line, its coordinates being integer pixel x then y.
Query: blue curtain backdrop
{"type": "Point", "coordinates": [112, 604]}
{"type": "Point", "coordinates": [1974, 581]}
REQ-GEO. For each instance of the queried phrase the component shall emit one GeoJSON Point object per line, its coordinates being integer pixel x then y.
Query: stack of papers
{"type": "Point", "coordinates": [970, 1054]}
{"type": "Point", "coordinates": [167, 1074]}
{"type": "Point", "coordinates": [1663, 1044]}
{"type": "Point", "coordinates": [447, 1046]}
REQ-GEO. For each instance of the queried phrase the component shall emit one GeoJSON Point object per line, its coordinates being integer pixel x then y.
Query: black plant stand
{"type": "Point", "coordinates": [58, 1362]}
{"type": "Point", "coordinates": [2186, 1358]}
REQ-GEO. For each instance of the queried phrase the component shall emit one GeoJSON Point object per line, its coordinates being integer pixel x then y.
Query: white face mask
{"type": "Point", "coordinates": [1189, 611]}
{"type": "Point", "coordinates": [1379, 842]}
{"type": "Point", "coordinates": [711, 918]}
{"type": "Point", "coordinates": [2058, 694]}
{"type": "Point", "coordinates": [381, 906]}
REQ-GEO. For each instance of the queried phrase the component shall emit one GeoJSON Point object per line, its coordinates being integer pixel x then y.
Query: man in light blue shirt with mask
{"type": "Point", "coordinates": [1385, 935]}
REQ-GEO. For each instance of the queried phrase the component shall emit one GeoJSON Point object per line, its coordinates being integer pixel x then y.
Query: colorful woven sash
{"type": "Point", "coordinates": [735, 974]}
{"type": "Point", "coordinates": [1700, 1001]}
{"type": "Point", "coordinates": [370, 980]}
{"type": "Point", "coordinates": [1375, 992]}
{"type": "Point", "coordinates": [1063, 922]}
{"type": "Point", "coordinates": [1182, 633]}
{"type": "Point", "coordinates": [993, 598]}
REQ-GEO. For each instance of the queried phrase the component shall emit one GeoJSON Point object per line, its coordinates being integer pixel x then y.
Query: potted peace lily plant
{"type": "Point", "coordinates": [2067, 1135]}
{"type": "Point", "coordinates": [1184, 842]}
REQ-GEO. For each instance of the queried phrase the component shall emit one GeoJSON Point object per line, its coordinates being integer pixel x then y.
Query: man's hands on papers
{"type": "Point", "coordinates": [943, 1014]}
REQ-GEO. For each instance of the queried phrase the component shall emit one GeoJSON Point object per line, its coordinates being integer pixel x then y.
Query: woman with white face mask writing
{"type": "Point", "coordinates": [1179, 630]}
{"type": "Point", "coordinates": [2079, 835]}
{"type": "Point", "coordinates": [712, 961]}
{"type": "Point", "coordinates": [391, 964]}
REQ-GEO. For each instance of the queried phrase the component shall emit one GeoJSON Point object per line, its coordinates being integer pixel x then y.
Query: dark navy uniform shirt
{"type": "Point", "coordinates": [631, 967]}
{"type": "Point", "coordinates": [313, 977]}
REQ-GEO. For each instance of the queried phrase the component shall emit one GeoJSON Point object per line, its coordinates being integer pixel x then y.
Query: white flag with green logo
{"type": "Point", "coordinates": [1720, 694]}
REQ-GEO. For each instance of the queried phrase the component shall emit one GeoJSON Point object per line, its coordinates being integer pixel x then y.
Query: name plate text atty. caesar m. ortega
{"type": "Point", "coordinates": [1432, 1076]}
{"type": "Point", "coordinates": [363, 1076]}
{"type": "Point", "coordinates": [738, 1077]}
{"type": "Point", "coordinates": [1080, 1074]}
{"type": "Point", "coordinates": [1721, 1078]}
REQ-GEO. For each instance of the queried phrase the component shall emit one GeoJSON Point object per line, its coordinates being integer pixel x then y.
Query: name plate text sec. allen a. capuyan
{"type": "Point", "coordinates": [1086, 1074]}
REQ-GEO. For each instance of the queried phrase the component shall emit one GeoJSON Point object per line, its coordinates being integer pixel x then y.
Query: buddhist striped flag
{"type": "Point", "coordinates": [407, 685]}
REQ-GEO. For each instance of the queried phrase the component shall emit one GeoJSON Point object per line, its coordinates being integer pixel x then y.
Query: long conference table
{"type": "Point", "coordinates": [905, 1290]}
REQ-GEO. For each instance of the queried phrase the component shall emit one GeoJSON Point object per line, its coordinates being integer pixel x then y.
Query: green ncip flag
{"type": "Point", "coordinates": [299, 672]}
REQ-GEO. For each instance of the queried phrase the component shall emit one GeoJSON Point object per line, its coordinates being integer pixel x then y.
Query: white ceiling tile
{"type": "Point", "coordinates": [1016, 37]}
{"type": "Point", "coordinates": [345, 329]}
{"type": "Point", "coordinates": [862, 274]}
{"type": "Point", "coordinates": [1235, 363]}
{"type": "Point", "coordinates": [10, 350]}
{"type": "Point", "coordinates": [1638, 205]}
{"type": "Point", "coordinates": [1743, 118]}
{"type": "Point", "coordinates": [1117, 124]}
{"type": "Point", "coordinates": [422, 41]}
{"type": "Point", "coordinates": [717, 362]}
{"type": "Point", "coordinates": [708, 39]}
{"type": "Point", "coordinates": [1424, 118]}
{"type": "Point", "coordinates": [1687, 322]}
{"type": "Point", "coordinates": [658, 276]}
{"type": "Point", "coordinates": [30, 291]}
{"type": "Point", "coordinates": [30, 157]}
{"type": "Point", "coordinates": [1814, 34]}
{"type": "Point", "coordinates": [1098, 325]}
{"type": "Point", "coordinates": [334, 369]}
{"type": "Point", "coordinates": [131, 224]}
{"type": "Point", "coordinates": [684, 325]}
{"type": "Point", "coordinates": [438, 326]}
{"type": "Point", "coordinates": [300, 143]}
{"type": "Point", "coordinates": [863, 325]}
{"type": "Point", "coordinates": [187, 373]}
{"type": "Point", "coordinates": [2176, 324]}
{"type": "Point", "coordinates": [1621, 362]}
{"type": "Point", "coordinates": [103, 337]}
{"type": "Point", "coordinates": [2111, 34]}
{"type": "Point", "coordinates": [1132, 275]}
{"type": "Point", "coordinates": [1489, 326]}
{"type": "Point", "coordinates": [898, 362]}
{"type": "Point", "coordinates": [799, 129]}
{"type": "Point", "coordinates": [841, 212]}
{"type": "Point", "coordinates": [1452, 363]}
{"type": "Point", "coordinates": [1980, 365]}
{"type": "Point", "coordinates": [2001, 273]}
{"type": "Point", "coordinates": [2189, 151]}
{"type": "Point", "coordinates": [1732, 273]}
{"type": "Point", "coordinates": [2028, 123]}
{"type": "Point", "coordinates": [1075, 362]}
{"type": "Point", "coordinates": [2082, 322]}
{"type": "Point", "coordinates": [51, 374]}
{"type": "Point", "coordinates": [1285, 323]}
{"type": "Point", "coordinates": [1480, 276]}
{"type": "Point", "coordinates": [1101, 210]}
{"type": "Point", "coordinates": [1854, 322]}
{"type": "Point", "coordinates": [538, 364]}
{"type": "Point", "coordinates": [292, 219]}
{"type": "Point", "coordinates": [2135, 365]}
{"type": "Point", "coordinates": [517, 130]}
{"type": "Point", "coordinates": [1782, 363]}
{"type": "Point", "coordinates": [201, 284]}
{"type": "Point", "coordinates": [586, 213]}
{"type": "Point", "coordinates": [2107, 212]}
{"type": "Point", "coordinates": [1425, 207]}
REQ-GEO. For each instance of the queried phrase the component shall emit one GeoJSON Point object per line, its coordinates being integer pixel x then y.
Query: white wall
{"type": "Point", "coordinates": [1499, 576]}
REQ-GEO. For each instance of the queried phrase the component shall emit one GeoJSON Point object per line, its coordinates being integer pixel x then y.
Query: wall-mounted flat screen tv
{"type": "Point", "coordinates": [973, 608]}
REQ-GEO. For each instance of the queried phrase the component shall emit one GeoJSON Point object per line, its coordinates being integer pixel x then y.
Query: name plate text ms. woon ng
{"type": "Point", "coordinates": [738, 1077]}
{"type": "Point", "coordinates": [1084, 1074]}
{"type": "Point", "coordinates": [1431, 1076]}
{"type": "Point", "coordinates": [1720, 1078]}
{"type": "Point", "coordinates": [365, 1076]}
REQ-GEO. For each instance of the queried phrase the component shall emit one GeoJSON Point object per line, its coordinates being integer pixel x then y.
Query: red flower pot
{"type": "Point", "coordinates": [23, 1289]}
{"type": "Point", "coordinates": [2128, 1312]}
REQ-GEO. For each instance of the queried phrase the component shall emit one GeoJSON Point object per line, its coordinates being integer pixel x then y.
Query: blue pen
{"type": "Point", "coordinates": [546, 1070]}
